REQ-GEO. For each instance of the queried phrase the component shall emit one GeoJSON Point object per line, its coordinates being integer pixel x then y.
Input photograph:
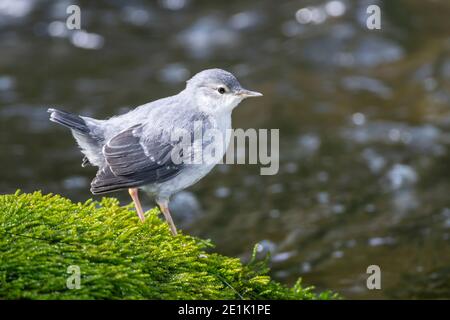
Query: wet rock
{"type": "Point", "coordinates": [375, 161]}
{"type": "Point", "coordinates": [421, 139]}
{"type": "Point", "coordinates": [276, 188]}
{"type": "Point", "coordinates": [274, 213]}
{"type": "Point", "coordinates": [206, 35]}
{"type": "Point", "coordinates": [245, 20]}
{"type": "Point", "coordinates": [283, 256]}
{"type": "Point", "coordinates": [305, 267]}
{"type": "Point", "coordinates": [174, 4]}
{"type": "Point", "coordinates": [75, 182]}
{"type": "Point", "coordinates": [380, 241]}
{"type": "Point", "coordinates": [15, 9]}
{"type": "Point", "coordinates": [222, 192]}
{"type": "Point", "coordinates": [323, 198]}
{"type": "Point", "coordinates": [86, 40]}
{"type": "Point", "coordinates": [358, 119]}
{"type": "Point", "coordinates": [138, 16]}
{"type": "Point", "coordinates": [264, 247]}
{"type": "Point", "coordinates": [372, 85]}
{"type": "Point", "coordinates": [337, 254]}
{"type": "Point", "coordinates": [7, 83]}
{"type": "Point", "coordinates": [372, 51]}
{"type": "Point", "coordinates": [185, 207]}
{"type": "Point", "coordinates": [401, 176]}
{"type": "Point", "coordinates": [58, 29]}
{"type": "Point", "coordinates": [309, 144]}
{"type": "Point", "coordinates": [174, 73]}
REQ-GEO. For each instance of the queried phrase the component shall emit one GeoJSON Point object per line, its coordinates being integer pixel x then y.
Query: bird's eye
{"type": "Point", "coordinates": [221, 90]}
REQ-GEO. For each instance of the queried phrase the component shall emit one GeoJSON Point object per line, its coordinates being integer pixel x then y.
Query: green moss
{"type": "Point", "coordinates": [119, 257]}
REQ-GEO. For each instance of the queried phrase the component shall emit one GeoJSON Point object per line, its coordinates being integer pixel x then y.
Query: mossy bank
{"type": "Point", "coordinates": [46, 239]}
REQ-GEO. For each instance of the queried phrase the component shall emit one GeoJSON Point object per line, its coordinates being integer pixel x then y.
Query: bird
{"type": "Point", "coordinates": [134, 151]}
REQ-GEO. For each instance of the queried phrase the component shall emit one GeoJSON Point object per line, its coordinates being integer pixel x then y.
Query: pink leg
{"type": "Point", "coordinates": [134, 195]}
{"type": "Point", "coordinates": [164, 205]}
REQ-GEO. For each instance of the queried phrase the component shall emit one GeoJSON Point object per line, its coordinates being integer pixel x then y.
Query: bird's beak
{"type": "Point", "coordinates": [247, 93]}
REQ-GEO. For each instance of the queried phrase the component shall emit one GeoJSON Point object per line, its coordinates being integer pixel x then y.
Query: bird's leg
{"type": "Point", "coordinates": [134, 195]}
{"type": "Point", "coordinates": [164, 205]}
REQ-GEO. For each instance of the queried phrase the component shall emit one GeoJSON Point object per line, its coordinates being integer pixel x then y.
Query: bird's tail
{"type": "Point", "coordinates": [69, 120]}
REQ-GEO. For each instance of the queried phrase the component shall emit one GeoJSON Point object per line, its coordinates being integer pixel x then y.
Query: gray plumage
{"type": "Point", "coordinates": [134, 149]}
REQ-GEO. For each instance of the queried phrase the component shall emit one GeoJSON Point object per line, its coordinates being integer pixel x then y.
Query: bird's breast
{"type": "Point", "coordinates": [222, 125]}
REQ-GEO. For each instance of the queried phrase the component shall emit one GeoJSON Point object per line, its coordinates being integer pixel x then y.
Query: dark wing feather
{"type": "Point", "coordinates": [132, 161]}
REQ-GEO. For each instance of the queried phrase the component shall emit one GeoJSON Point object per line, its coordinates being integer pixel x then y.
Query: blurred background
{"type": "Point", "coordinates": [364, 120]}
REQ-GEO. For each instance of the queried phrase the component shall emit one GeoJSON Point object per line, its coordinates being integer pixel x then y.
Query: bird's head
{"type": "Point", "coordinates": [216, 90]}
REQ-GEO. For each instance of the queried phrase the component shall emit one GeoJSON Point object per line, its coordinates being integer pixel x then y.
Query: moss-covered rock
{"type": "Point", "coordinates": [42, 236]}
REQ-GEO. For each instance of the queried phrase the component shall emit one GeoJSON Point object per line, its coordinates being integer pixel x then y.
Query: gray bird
{"type": "Point", "coordinates": [136, 150]}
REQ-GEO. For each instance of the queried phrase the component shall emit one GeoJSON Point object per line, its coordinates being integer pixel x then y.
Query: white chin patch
{"type": "Point", "coordinates": [235, 101]}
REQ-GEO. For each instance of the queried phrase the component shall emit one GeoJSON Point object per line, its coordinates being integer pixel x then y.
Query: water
{"type": "Point", "coordinates": [363, 116]}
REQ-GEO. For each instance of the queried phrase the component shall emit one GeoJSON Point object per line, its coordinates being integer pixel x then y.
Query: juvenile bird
{"type": "Point", "coordinates": [136, 150]}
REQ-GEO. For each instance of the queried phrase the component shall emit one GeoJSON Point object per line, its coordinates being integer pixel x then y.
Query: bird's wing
{"type": "Point", "coordinates": [133, 161]}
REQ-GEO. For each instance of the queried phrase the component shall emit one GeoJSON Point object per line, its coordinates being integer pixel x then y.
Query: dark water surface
{"type": "Point", "coordinates": [364, 119]}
